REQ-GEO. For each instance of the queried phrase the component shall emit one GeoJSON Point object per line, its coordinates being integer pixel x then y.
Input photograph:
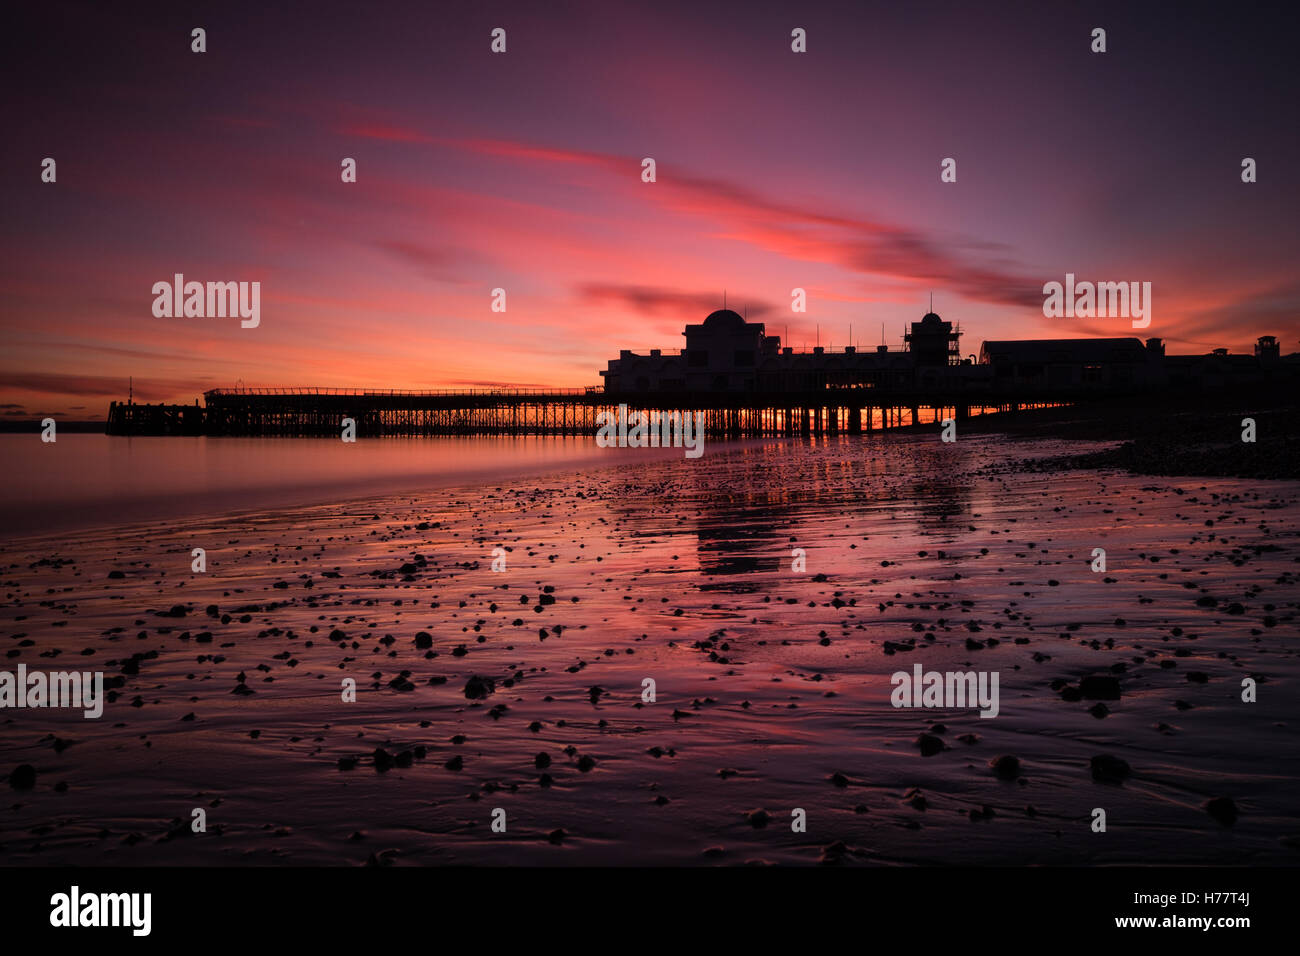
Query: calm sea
{"type": "Point", "coordinates": [88, 481]}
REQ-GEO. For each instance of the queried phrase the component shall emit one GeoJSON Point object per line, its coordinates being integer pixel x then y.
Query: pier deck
{"type": "Point", "coordinates": [318, 412]}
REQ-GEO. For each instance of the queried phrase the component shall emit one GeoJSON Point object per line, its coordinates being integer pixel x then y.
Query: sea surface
{"type": "Point", "coordinates": [85, 481]}
{"type": "Point", "coordinates": [520, 695]}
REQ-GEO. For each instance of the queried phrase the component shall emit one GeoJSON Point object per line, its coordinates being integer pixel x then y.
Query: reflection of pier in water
{"type": "Point", "coordinates": [741, 536]}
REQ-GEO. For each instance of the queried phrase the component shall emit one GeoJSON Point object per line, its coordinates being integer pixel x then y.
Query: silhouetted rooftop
{"type": "Point", "coordinates": [724, 319]}
{"type": "Point", "coordinates": [1055, 350]}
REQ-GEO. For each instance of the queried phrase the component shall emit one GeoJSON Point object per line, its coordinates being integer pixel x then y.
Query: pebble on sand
{"type": "Point", "coordinates": [929, 745]}
{"type": "Point", "coordinates": [1006, 766]}
{"type": "Point", "coordinates": [476, 688]}
{"type": "Point", "coordinates": [1222, 809]}
{"type": "Point", "coordinates": [758, 818]}
{"type": "Point", "coordinates": [1099, 687]}
{"type": "Point", "coordinates": [23, 777]}
{"type": "Point", "coordinates": [1108, 769]}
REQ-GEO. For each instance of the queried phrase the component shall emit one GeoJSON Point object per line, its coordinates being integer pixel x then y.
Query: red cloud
{"type": "Point", "coordinates": [656, 300]}
{"type": "Point", "coordinates": [806, 233]}
{"type": "Point", "coordinates": [99, 386]}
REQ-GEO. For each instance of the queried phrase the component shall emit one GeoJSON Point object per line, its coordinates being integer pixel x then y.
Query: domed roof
{"type": "Point", "coordinates": [930, 317]}
{"type": "Point", "coordinates": [724, 318]}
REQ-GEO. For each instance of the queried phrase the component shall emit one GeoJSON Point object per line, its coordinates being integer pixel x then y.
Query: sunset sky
{"type": "Point", "coordinates": [522, 171]}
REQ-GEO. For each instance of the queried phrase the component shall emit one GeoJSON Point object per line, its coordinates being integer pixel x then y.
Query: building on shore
{"type": "Point", "coordinates": [1076, 363]}
{"type": "Point", "coordinates": [726, 353]}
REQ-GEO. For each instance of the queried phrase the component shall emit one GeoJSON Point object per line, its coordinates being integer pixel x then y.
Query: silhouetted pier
{"type": "Point", "coordinates": [130, 418]}
{"type": "Point", "coordinates": [744, 383]}
{"type": "Point", "coordinates": [320, 413]}
{"type": "Point", "coordinates": [305, 413]}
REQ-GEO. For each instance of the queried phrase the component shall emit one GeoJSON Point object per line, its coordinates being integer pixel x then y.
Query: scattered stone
{"type": "Point", "coordinates": [929, 745]}
{"type": "Point", "coordinates": [1222, 809]}
{"type": "Point", "coordinates": [1099, 687]}
{"type": "Point", "coordinates": [23, 777]}
{"type": "Point", "coordinates": [1006, 766]}
{"type": "Point", "coordinates": [1108, 769]}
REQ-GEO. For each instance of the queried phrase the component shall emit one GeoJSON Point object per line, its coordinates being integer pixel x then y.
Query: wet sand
{"type": "Point", "coordinates": [522, 690]}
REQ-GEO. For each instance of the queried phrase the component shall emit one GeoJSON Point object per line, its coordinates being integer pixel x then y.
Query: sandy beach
{"type": "Point", "coordinates": [522, 690]}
